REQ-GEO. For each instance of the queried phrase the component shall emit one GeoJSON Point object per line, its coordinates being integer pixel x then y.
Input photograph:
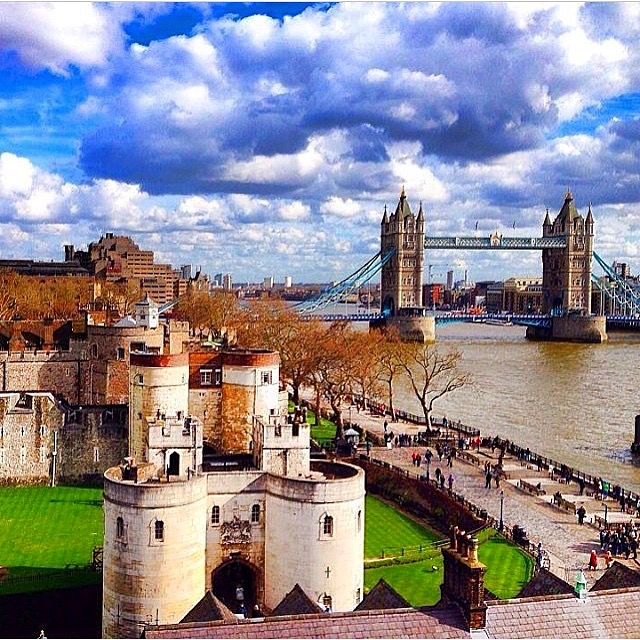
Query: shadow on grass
{"type": "Point", "coordinates": [88, 503]}
{"type": "Point", "coordinates": [32, 579]}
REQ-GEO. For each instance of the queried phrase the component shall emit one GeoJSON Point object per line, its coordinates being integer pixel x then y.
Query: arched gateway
{"type": "Point", "coordinates": [235, 583]}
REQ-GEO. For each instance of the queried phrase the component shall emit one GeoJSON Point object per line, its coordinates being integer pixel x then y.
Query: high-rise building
{"type": "Point", "coordinates": [119, 258]}
{"type": "Point", "coordinates": [227, 283]}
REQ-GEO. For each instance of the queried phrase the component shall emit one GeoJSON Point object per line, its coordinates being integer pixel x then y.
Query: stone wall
{"type": "Point", "coordinates": [27, 423]}
{"type": "Point", "coordinates": [57, 371]}
{"type": "Point", "coordinates": [93, 440]}
{"type": "Point", "coordinates": [89, 440]}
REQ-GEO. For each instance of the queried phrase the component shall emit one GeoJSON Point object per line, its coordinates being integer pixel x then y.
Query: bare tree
{"type": "Point", "coordinates": [432, 374]}
{"type": "Point", "coordinates": [390, 363]}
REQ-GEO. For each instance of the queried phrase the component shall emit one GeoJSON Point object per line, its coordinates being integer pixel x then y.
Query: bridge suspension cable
{"type": "Point", "coordinates": [617, 288]}
{"type": "Point", "coordinates": [340, 291]}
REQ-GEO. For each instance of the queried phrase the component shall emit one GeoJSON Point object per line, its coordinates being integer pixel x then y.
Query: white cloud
{"type": "Point", "coordinates": [55, 35]}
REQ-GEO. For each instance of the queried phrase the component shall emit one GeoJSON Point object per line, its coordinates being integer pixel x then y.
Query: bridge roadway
{"type": "Point", "coordinates": [567, 543]}
{"type": "Point", "coordinates": [617, 322]}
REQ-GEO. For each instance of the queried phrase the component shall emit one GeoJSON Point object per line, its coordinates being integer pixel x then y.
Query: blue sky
{"type": "Point", "coordinates": [265, 139]}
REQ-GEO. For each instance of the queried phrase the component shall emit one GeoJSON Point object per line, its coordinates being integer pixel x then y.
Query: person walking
{"type": "Point", "coordinates": [450, 481]}
{"type": "Point", "coordinates": [581, 513]}
{"type": "Point", "coordinates": [593, 560]}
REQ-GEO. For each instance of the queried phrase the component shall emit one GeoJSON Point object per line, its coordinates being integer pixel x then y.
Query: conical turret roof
{"type": "Point", "coordinates": [568, 211]}
{"type": "Point", "coordinates": [403, 210]}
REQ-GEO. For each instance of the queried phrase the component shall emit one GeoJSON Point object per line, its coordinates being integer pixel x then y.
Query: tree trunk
{"type": "Point", "coordinates": [296, 393]}
{"type": "Point", "coordinates": [392, 409]}
{"type": "Point", "coordinates": [317, 407]}
{"type": "Point", "coordinates": [337, 415]}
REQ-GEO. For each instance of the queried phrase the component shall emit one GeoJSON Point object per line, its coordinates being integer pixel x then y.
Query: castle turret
{"type": "Point", "coordinates": [154, 550]}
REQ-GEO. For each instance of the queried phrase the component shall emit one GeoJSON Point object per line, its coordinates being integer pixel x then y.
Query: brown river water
{"type": "Point", "coordinates": [574, 403]}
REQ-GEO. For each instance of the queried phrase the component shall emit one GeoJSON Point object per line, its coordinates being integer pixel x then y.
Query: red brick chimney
{"type": "Point", "coordinates": [463, 582]}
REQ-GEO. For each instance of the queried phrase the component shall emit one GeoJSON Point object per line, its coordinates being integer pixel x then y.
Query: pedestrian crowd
{"type": "Point", "coordinates": [620, 540]}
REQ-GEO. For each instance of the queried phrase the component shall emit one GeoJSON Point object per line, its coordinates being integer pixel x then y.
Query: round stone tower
{"type": "Point", "coordinates": [154, 549]}
{"type": "Point", "coordinates": [315, 535]}
{"type": "Point", "coordinates": [250, 387]}
{"type": "Point", "coordinates": [159, 389]}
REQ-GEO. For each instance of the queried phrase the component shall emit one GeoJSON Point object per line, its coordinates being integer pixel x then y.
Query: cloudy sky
{"type": "Point", "coordinates": [265, 139]}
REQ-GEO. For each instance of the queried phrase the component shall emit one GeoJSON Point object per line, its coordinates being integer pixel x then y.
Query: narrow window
{"type": "Point", "coordinates": [23, 454]}
{"type": "Point", "coordinates": [120, 353]}
{"type": "Point", "coordinates": [159, 526]}
{"type": "Point", "coordinates": [1, 455]}
{"type": "Point", "coordinates": [42, 431]}
{"type": "Point", "coordinates": [119, 527]}
{"type": "Point", "coordinates": [215, 515]}
{"type": "Point", "coordinates": [359, 521]}
{"type": "Point", "coordinates": [43, 454]}
{"type": "Point", "coordinates": [265, 377]}
{"type": "Point", "coordinates": [96, 454]}
{"type": "Point", "coordinates": [327, 526]}
{"type": "Point", "coordinates": [255, 513]}
{"type": "Point", "coordinates": [94, 350]}
{"type": "Point", "coordinates": [218, 377]}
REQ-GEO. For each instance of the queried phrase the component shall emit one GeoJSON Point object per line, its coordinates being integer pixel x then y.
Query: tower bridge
{"type": "Point", "coordinates": [567, 252]}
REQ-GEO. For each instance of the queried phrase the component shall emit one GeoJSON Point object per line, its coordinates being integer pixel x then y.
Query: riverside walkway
{"type": "Point", "coordinates": [567, 542]}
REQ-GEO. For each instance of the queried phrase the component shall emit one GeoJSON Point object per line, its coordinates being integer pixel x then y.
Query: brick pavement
{"type": "Point", "coordinates": [567, 542]}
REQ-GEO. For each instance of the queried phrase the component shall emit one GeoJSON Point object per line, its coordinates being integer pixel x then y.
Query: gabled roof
{"type": "Point", "coordinates": [382, 596]}
{"type": "Point", "coordinates": [127, 321]}
{"type": "Point", "coordinates": [296, 602]}
{"type": "Point", "coordinates": [208, 609]}
{"type": "Point", "coordinates": [617, 576]}
{"type": "Point", "coordinates": [427, 622]}
{"type": "Point", "coordinates": [604, 614]}
{"type": "Point", "coordinates": [545, 583]}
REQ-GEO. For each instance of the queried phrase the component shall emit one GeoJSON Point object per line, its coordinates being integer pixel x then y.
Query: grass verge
{"type": "Point", "coordinates": [47, 535]}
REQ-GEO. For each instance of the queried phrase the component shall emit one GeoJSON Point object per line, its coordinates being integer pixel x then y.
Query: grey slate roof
{"type": "Point", "coordinates": [209, 608]}
{"type": "Point", "coordinates": [296, 602]}
{"type": "Point", "coordinates": [617, 576]}
{"type": "Point", "coordinates": [382, 596]}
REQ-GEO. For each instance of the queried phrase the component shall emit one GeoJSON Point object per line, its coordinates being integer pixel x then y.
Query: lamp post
{"type": "Point", "coordinates": [428, 465]}
{"type": "Point", "coordinates": [606, 510]}
{"type": "Point", "coordinates": [501, 524]}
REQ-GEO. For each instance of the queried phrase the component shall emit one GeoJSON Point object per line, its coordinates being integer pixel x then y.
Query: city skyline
{"type": "Point", "coordinates": [265, 139]}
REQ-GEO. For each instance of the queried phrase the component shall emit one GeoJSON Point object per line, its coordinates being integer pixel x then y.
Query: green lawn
{"type": "Point", "coordinates": [44, 531]}
{"type": "Point", "coordinates": [387, 532]}
{"type": "Point", "coordinates": [324, 432]}
{"type": "Point", "coordinates": [508, 567]}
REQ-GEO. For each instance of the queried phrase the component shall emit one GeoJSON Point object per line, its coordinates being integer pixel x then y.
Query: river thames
{"type": "Point", "coordinates": [575, 403]}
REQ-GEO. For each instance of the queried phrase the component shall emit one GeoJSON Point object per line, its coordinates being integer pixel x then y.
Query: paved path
{"type": "Point", "coordinates": [567, 543]}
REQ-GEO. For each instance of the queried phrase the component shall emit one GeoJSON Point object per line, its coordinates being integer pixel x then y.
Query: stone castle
{"type": "Point", "coordinates": [217, 477]}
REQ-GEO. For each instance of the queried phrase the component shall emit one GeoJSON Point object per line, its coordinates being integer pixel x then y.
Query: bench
{"type": "Point", "coordinates": [565, 504]}
{"type": "Point", "coordinates": [470, 457]}
{"type": "Point", "coordinates": [531, 488]}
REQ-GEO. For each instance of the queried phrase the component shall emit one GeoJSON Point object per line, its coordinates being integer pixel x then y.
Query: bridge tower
{"type": "Point", "coordinates": [566, 272]}
{"type": "Point", "coordinates": [401, 279]}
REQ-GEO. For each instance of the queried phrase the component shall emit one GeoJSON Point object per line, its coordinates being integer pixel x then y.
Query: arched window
{"type": "Point", "coordinates": [215, 514]}
{"type": "Point", "coordinates": [327, 526]}
{"type": "Point", "coordinates": [159, 529]}
{"type": "Point", "coordinates": [255, 513]}
{"type": "Point", "coordinates": [119, 527]}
